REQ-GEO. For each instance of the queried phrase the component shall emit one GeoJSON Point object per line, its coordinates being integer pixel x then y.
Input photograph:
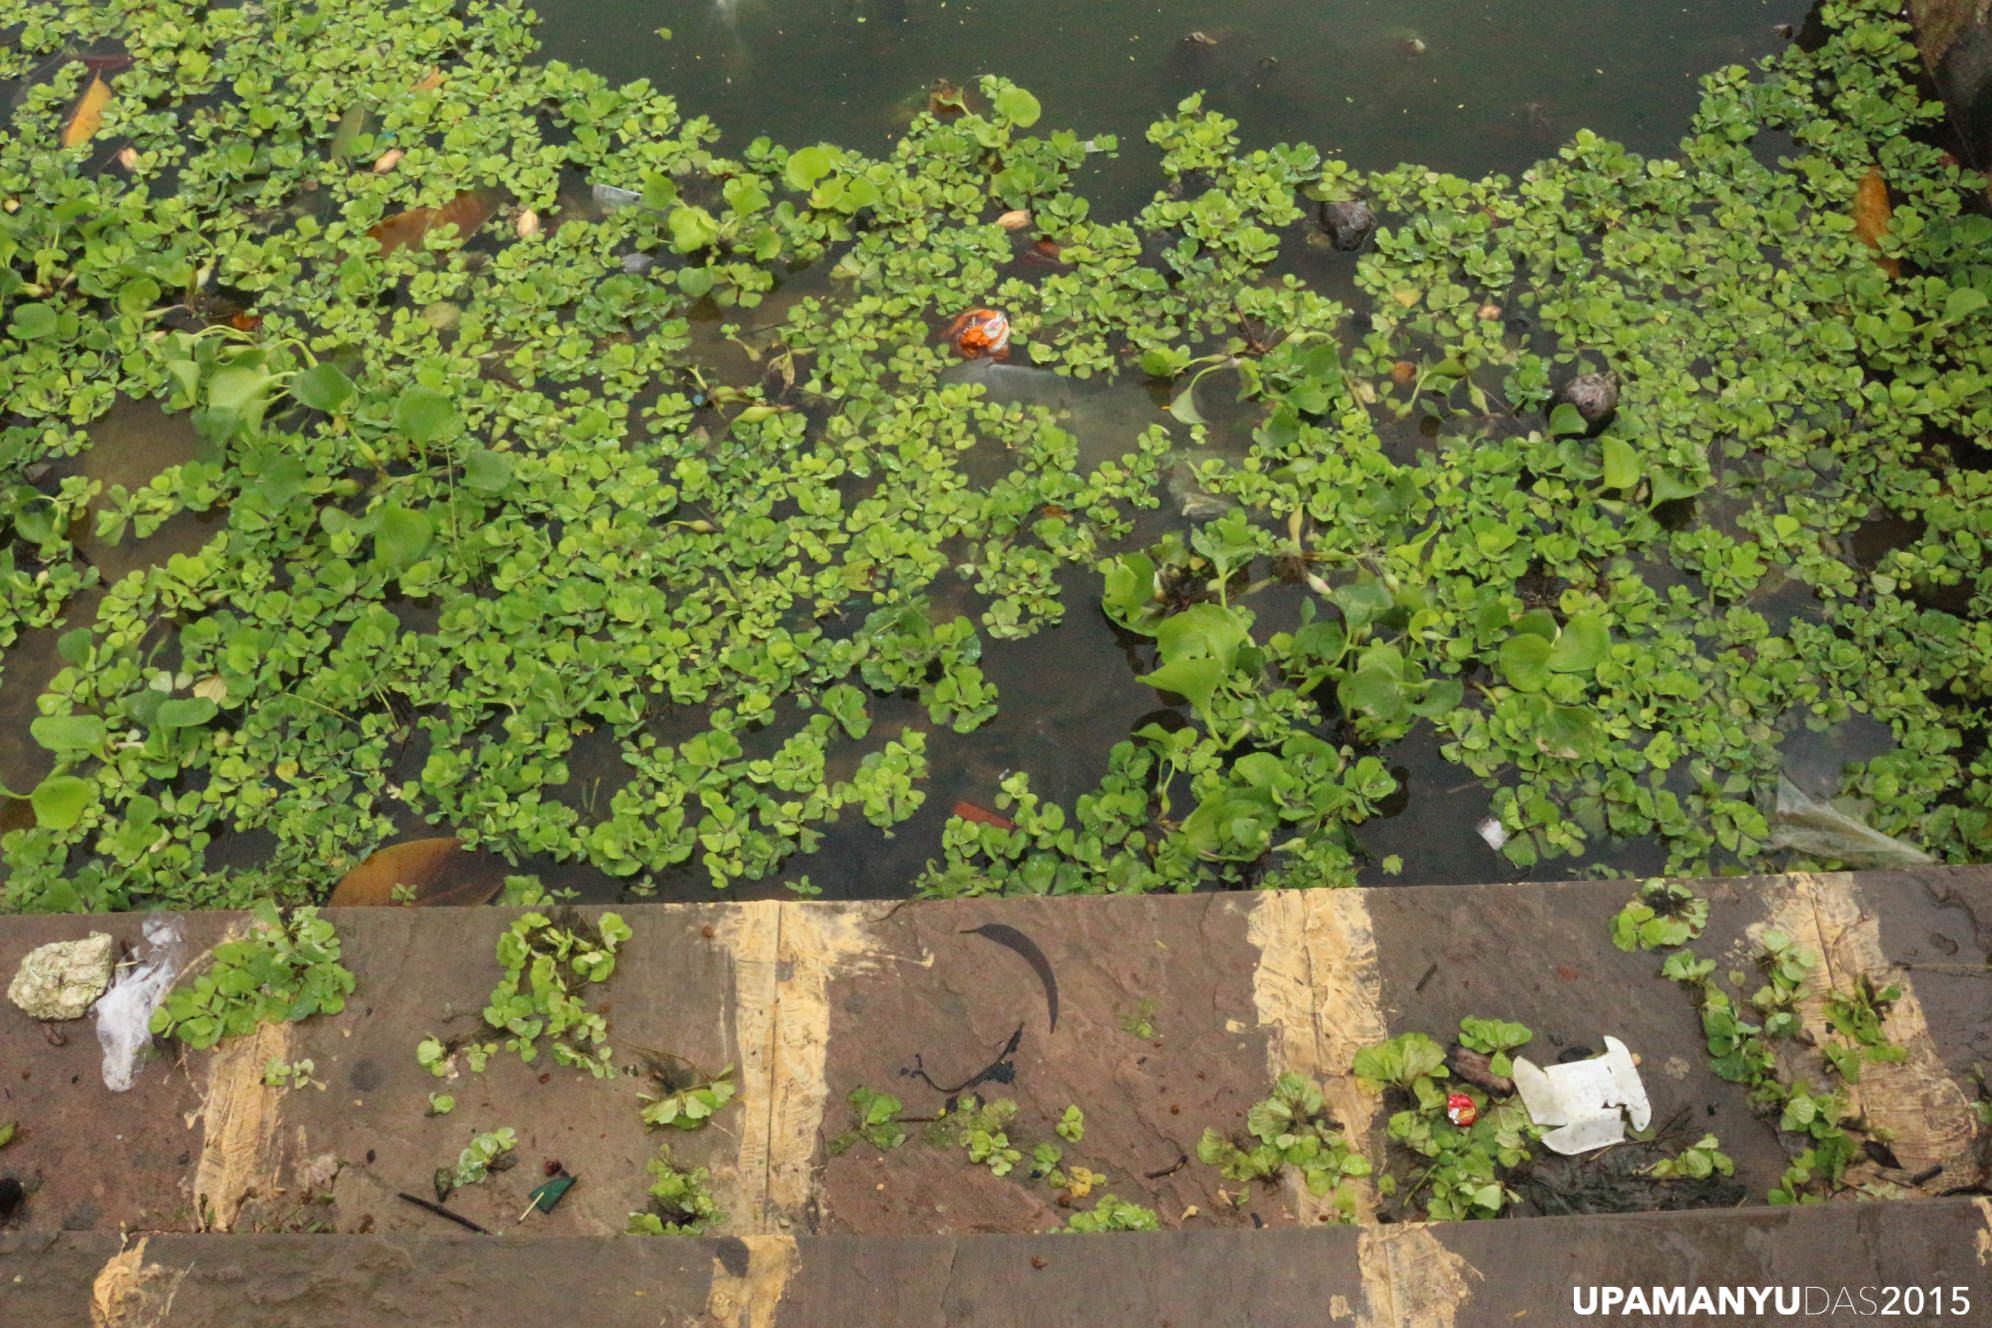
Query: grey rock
{"type": "Point", "coordinates": [1349, 223]}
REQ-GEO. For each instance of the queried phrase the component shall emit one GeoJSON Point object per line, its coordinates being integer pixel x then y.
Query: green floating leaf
{"type": "Point", "coordinates": [1525, 662]}
{"type": "Point", "coordinates": [1019, 107]}
{"type": "Point", "coordinates": [68, 733]}
{"type": "Point", "coordinates": [1567, 419]}
{"type": "Point", "coordinates": [422, 413]}
{"type": "Point", "coordinates": [1580, 646]}
{"type": "Point", "coordinates": [59, 800]}
{"type": "Point", "coordinates": [1184, 407]}
{"type": "Point", "coordinates": [692, 229]}
{"type": "Point", "coordinates": [402, 536]}
{"type": "Point", "coordinates": [32, 321]}
{"type": "Point", "coordinates": [1567, 732]}
{"type": "Point", "coordinates": [185, 712]}
{"type": "Point", "coordinates": [1622, 464]}
{"type": "Point", "coordinates": [487, 471]}
{"type": "Point", "coordinates": [322, 387]}
{"type": "Point", "coordinates": [1963, 301]}
{"type": "Point", "coordinates": [1196, 680]}
{"type": "Point", "coordinates": [240, 389]}
{"type": "Point", "coordinates": [808, 165]}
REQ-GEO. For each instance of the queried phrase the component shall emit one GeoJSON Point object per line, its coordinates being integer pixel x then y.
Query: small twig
{"type": "Point", "coordinates": [441, 1211]}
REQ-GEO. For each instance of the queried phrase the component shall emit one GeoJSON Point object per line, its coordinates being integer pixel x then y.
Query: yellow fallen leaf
{"type": "Point", "coordinates": [89, 116]}
{"type": "Point", "coordinates": [1871, 214]}
{"type": "Point", "coordinates": [212, 688]}
{"type": "Point", "coordinates": [1015, 219]}
{"type": "Point", "coordinates": [1407, 298]}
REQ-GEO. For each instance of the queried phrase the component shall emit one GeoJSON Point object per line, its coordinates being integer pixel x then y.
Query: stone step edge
{"type": "Point", "coordinates": [1764, 1261]}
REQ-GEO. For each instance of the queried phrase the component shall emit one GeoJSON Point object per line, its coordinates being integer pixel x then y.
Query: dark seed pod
{"type": "Point", "coordinates": [1349, 223]}
{"type": "Point", "coordinates": [1596, 397]}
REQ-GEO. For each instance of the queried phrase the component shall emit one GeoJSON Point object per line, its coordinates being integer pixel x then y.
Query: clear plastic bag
{"type": "Point", "coordinates": [124, 1013]}
{"type": "Point", "coordinates": [1818, 829]}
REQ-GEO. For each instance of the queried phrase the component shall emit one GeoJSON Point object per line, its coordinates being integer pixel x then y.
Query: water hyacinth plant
{"type": "Point", "coordinates": [652, 528]}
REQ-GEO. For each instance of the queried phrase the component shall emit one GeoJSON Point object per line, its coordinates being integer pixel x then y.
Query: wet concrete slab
{"type": "Point", "coordinates": [1157, 1036]}
{"type": "Point", "coordinates": [1836, 1264]}
{"type": "Point", "coordinates": [1172, 1015]}
{"type": "Point", "coordinates": [1541, 955]}
{"type": "Point", "coordinates": [200, 1141]}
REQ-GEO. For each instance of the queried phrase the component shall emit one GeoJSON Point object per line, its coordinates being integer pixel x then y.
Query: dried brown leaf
{"type": "Point", "coordinates": [436, 870]}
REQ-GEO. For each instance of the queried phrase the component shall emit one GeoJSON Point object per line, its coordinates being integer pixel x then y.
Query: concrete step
{"type": "Point", "coordinates": [1172, 1014]}
{"type": "Point", "coordinates": [1835, 1264]}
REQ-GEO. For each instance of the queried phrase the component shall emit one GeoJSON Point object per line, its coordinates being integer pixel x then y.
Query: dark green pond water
{"type": "Point", "coordinates": [1464, 87]}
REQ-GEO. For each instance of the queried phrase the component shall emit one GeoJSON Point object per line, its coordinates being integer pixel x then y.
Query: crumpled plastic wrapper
{"type": "Point", "coordinates": [1588, 1101]}
{"type": "Point", "coordinates": [124, 1015]}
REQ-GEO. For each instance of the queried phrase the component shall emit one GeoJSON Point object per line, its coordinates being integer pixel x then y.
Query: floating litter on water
{"type": "Point", "coordinates": [1493, 832]}
{"type": "Point", "coordinates": [609, 198]}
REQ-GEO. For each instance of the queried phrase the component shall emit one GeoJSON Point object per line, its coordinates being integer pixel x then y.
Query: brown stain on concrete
{"type": "Point", "coordinates": [1926, 1113]}
{"type": "Point", "coordinates": [239, 1152]}
{"type": "Point", "coordinates": [1791, 906]}
{"type": "Point", "coordinates": [1409, 1279]}
{"type": "Point", "coordinates": [749, 1300]}
{"type": "Point", "coordinates": [1318, 993]}
{"type": "Point", "coordinates": [131, 1293]}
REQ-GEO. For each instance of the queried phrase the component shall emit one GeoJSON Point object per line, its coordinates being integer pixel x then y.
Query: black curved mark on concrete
{"type": "Point", "coordinates": [1012, 939]}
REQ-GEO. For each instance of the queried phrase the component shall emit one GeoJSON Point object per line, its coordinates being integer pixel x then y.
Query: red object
{"type": "Point", "coordinates": [1460, 1110]}
{"type": "Point", "coordinates": [968, 811]}
{"type": "Point", "coordinates": [980, 332]}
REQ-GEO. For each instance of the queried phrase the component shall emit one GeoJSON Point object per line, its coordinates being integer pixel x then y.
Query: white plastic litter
{"type": "Point", "coordinates": [1493, 832]}
{"type": "Point", "coordinates": [124, 1015]}
{"type": "Point", "coordinates": [1588, 1101]}
{"type": "Point", "coordinates": [609, 198]}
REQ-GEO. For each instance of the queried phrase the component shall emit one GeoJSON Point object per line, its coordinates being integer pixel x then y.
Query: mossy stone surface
{"type": "Point", "coordinates": [63, 979]}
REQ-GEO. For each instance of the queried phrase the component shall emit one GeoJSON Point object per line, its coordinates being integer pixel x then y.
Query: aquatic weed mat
{"type": "Point", "coordinates": [624, 510]}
